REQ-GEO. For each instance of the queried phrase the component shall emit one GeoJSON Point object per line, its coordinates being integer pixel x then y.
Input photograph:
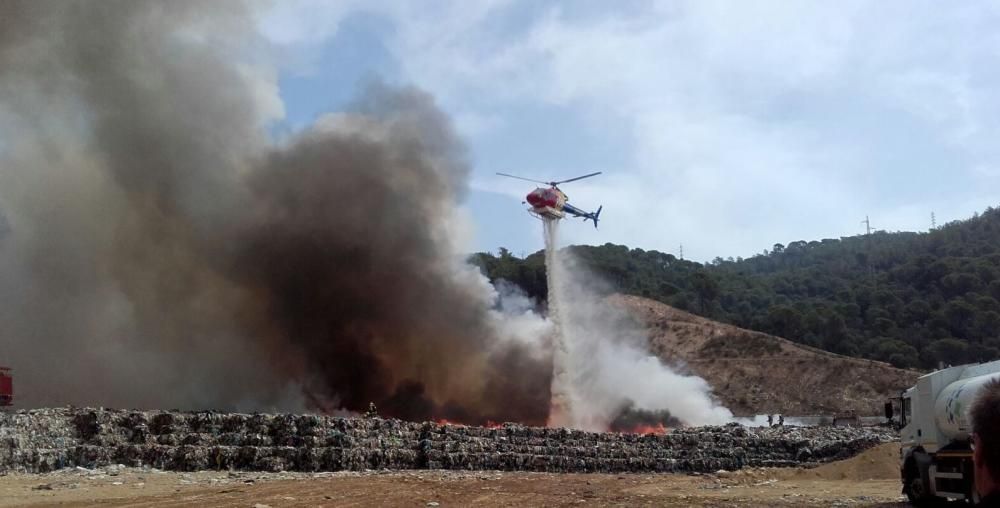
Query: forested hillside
{"type": "Point", "coordinates": [912, 299]}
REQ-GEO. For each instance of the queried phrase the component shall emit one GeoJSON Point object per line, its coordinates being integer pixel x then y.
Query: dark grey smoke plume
{"type": "Point", "coordinates": [632, 419]}
{"type": "Point", "coordinates": [163, 252]}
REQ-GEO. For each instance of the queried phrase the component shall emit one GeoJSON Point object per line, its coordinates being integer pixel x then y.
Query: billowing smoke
{"type": "Point", "coordinates": [159, 249]}
{"type": "Point", "coordinates": [632, 419]}
{"type": "Point", "coordinates": [164, 252]}
{"type": "Point", "coordinates": [602, 367]}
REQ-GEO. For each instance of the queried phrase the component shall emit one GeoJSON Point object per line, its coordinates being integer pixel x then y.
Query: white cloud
{"type": "Point", "coordinates": [748, 123]}
{"type": "Point", "coordinates": [304, 22]}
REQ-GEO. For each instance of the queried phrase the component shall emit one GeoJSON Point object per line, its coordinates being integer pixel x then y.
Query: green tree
{"type": "Point", "coordinates": [896, 352]}
{"type": "Point", "coordinates": [960, 316]}
{"type": "Point", "coordinates": [706, 288]}
{"type": "Point", "coordinates": [951, 351]}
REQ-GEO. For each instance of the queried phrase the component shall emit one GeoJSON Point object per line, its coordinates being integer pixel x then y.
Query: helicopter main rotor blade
{"type": "Point", "coordinates": [523, 178]}
{"type": "Point", "coordinates": [575, 179]}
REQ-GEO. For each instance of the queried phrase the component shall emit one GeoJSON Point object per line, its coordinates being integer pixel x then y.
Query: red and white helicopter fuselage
{"type": "Point", "coordinates": [547, 203]}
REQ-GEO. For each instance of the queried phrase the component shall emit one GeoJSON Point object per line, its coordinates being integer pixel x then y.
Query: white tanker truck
{"type": "Point", "coordinates": [934, 427]}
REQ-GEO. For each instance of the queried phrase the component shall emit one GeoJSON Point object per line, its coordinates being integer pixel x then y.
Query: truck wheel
{"type": "Point", "coordinates": [915, 490]}
{"type": "Point", "coordinates": [972, 497]}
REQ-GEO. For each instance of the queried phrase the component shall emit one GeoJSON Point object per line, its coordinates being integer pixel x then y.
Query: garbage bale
{"type": "Point", "coordinates": [87, 424]}
{"type": "Point", "coordinates": [163, 424]}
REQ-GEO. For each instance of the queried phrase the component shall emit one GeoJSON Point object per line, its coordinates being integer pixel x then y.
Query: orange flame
{"type": "Point", "coordinates": [646, 430]}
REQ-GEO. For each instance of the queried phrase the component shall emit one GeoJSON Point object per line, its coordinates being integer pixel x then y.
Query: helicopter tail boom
{"type": "Point", "coordinates": [594, 216]}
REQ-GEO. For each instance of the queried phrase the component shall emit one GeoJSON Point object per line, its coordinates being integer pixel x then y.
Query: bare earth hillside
{"type": "Point", "coordinates": [756, 373]}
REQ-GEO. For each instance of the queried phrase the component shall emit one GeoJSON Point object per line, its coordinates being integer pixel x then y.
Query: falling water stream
{"type": "Point", "coordinates": [560, 408]}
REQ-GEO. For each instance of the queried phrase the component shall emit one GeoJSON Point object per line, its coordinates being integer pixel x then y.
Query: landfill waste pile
{"type": "Point", "coordinates": [44, 440]}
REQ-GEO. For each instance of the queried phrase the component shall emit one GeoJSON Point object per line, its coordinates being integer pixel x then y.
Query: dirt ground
{"type": "Point", "coordinates": [870, 479]}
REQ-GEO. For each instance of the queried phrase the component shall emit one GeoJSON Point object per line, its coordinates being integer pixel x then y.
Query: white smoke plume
{"type": "Point", "coordinates": [601, 364]}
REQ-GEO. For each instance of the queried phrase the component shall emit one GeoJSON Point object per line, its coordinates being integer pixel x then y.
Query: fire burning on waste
{"type": "Point", "coordinates": [641, 421]}
{"type": "Point", "coordinates": [657, 429]}
{"type": "Point", "coordinates": [646, 430]}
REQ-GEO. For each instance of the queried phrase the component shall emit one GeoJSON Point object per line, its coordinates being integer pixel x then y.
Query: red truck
{"type": "Point", "coordinates": [6, 387]}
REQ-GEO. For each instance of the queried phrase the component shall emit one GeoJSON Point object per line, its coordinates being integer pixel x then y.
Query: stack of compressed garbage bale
{"type": "Point", "coordinates": [49, 439]}
{"type": "Point", "coordinates": [696, 449]}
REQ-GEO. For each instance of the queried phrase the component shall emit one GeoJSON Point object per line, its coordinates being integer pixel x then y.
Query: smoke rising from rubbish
{"type": "Point", "coordinates": [164, 252]}
{"type": "Point", "coordinates": [602, 370]}
{"type": "Point", "coordinates": [631, 419]}
{"type": "Point", "coordinates": [161, 250]}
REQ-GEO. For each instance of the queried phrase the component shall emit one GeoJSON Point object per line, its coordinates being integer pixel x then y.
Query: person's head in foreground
{"type": "Point", "coordinates": [985, 416]}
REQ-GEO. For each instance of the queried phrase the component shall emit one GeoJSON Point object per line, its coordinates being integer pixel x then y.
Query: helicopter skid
{"type": "Point", "coordinates": [546, 213]}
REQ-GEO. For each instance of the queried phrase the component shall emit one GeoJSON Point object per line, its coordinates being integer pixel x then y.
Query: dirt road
{"type": "Point", "coordinates": [870, 479]}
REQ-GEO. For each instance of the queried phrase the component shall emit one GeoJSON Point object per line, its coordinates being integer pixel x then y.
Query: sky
{"type": "Point", "coordinates": [725, 127]}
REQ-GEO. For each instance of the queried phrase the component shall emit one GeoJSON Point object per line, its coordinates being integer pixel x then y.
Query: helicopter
{"type": "Point", "coordinates": [550, 203]}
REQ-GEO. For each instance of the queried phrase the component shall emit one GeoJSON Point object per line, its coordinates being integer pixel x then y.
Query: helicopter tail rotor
{"type": "Point", "coordinates": [594, 216]}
